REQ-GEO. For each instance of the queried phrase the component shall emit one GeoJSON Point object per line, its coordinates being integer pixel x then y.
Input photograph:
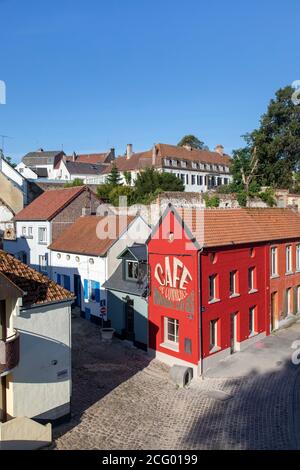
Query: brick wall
{"type": "Point", "coordinates": [70, 213]}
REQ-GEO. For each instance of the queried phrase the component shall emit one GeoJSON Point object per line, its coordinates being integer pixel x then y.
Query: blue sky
{"type": "Point", "coordinates": [95, 74]}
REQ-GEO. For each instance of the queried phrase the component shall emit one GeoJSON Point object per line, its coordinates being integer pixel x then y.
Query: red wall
{"type": "Point", "coordinates": [226, 260]}
{"type": "Point", "coordinates": [283, 281]}
{"type": "Point", "coordinates": [186, 311]}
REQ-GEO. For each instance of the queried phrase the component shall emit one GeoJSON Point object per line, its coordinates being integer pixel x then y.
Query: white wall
{"type": "Point", "coordinates": [26, 172]}
{"type": "Point", "coordinates": [41, 384]}
{"type": "Point", "coordinates": [5, 216]}
{"type": "Point", "coordinates": [86, 270]}
{"type": "Point", "coordinates": [30, 246]}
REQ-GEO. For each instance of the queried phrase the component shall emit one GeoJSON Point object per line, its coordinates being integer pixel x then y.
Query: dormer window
{"type": "Point", "coordinates": [174, 162]}
{"type": "Point", "coordinates": [131, 270]}
{"type": "Point", "coordinates": [183, 163]}
{"type": "Point", "coordinates": [194, 165]}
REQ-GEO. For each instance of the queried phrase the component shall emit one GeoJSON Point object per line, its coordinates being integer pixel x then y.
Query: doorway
{"type": "Point", "coordinates": [273, 311]}
{"type": "Point", "coordinates": [233, 332]}
{"type": "Point", "coordinates": [129, 319]}
{"type": "Point", "coordinates": [77, 290]}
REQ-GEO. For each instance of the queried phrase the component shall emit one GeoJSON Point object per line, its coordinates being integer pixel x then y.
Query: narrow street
{"type": "Point", "coordinates": [123, 401]}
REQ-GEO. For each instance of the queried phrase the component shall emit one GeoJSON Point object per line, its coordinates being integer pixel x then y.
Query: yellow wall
{"type": "Point", "coordinates": [11, 195]}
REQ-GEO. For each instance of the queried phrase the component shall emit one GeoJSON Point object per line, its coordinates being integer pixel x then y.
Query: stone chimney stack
{"type": "Point", "coordinates": [74, 157]}
{"type": "Point", "coordinates": [129, 151]}
{"type": "Point", "coordinates": [220, 149]}
{"type": "Point", "coordinates": [87, 209]}
{"type": "Point", "coordinates": [113, 153]}
{"type": "Point", "coordinates": [154, 155]}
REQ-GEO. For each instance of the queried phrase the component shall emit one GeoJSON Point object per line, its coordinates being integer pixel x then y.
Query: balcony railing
{"type": "Point", "coordinates": [9, 353]}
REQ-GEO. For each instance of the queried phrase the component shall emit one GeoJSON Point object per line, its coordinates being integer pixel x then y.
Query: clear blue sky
{"type": "Point", "coordinates": [92, 74]}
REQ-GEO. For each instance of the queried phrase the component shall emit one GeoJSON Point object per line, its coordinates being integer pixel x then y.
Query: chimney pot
{"type": "Point", "coordinates": [129, 151]}
{"type": "Point", "coordinates": [154, 154]}
{"type": "Point", "coordinates": [220, 149]}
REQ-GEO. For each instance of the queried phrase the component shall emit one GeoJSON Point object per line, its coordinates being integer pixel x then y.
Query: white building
{"type": "Point", "coordinates": [42, 221]}
{"type": "Point", "coordinates": [35, 345]}
{"type": "Point", "coordinates": [200, 170]}
{"type": "Point", "coordinates": [86, 255]}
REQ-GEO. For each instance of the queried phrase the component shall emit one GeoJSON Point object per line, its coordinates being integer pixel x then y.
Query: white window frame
{"type": "Point", "coordinates": [43, 266]}
{"type": "Point", "coordinates": [289, 301]}
{"type": "Point", "coordinates": [288, 259]}
{"type": "Point", "coordinates": [298, 257]}
{"type": "Point", "coordinates": [42, 240]}
{"type": "Point", "coordinates": [171, 340]}
{"type": "Point", "coordinates": [234, 277]}
{"type": "Point", "coordinates": [30, 232]}
{"type": "Point", "coordinates": [24, 231]}
{"type": "Point", "coordinates": [252, 318]}
{"type": "Point", "coordinates": [298, 298]}
{"type": "Point", "coordinates": [274, 261]}
{"type": "Point", "coordinates": [129, 278]}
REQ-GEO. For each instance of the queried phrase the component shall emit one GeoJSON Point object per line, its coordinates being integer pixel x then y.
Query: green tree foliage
{"type": "Point", "coordinates": [119, 191]}
{"type": "Point", "coordinates": [104, 191]}
{"type": "Point", "coordinates": [114, 178]}
{"type": "Point", "coordinates": [74, 183]}
{"type": "Point", "coordinates": [277, 141]}
{"type": "Point", "coordinates": [150, 180]}
{"type": "Point", "coordinates": [193, 141]}
{"type": "Point", "coordinates": [127, 177]}
{"type": "Point", "coordinates": [211, 201]}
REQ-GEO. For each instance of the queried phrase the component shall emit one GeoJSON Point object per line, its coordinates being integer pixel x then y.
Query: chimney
{"type": "Point", "coordinates": [87, 209]}
{"type": "Point", "coordinates": [113, 153]}
{"type": "Point", "coordinates": [220, 150]}
{"type": "Point", "coordinates": [40, 150]}
{"type": "Point", "coordinates": [129, 151]}
{"type": "Point", "coordinates": [154, 155]}
{"type": "Point", "coordinates": [74, 157]}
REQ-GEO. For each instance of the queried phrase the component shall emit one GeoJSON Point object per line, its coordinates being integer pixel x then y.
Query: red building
{"type": "Point", "coordinates": [210, 281]}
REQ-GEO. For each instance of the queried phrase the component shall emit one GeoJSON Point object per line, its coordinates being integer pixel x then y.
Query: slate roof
{"type": "Point", "coordinates": [138, 251]}
{"type": "Point", "coordinates": [223, 227]}
{"type": "Point", "coordinates": [118, 283]}
{"type": "Point", "coordinates": [37, 288]}
{"type": "Point", "coordinates": [33, 159]}
{"type": "Point", "coordinates": [49, 204]}
{"type": "Point", "coordinates": [142, 160]}
{"type": "Point", "coordinates": [82, 237]}
{"type": "Point", "coordinates": [77, 168]}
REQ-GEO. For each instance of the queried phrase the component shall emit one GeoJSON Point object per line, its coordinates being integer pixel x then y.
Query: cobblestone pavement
{"type": "Point", "coordinates": [123, 401]}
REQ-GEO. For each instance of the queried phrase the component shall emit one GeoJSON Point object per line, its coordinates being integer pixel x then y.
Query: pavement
{"type": "Point", "coordinates": [122, 400]}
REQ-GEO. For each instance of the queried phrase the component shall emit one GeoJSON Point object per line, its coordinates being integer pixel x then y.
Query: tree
{"type": "Point", "coordinates": [193, 141]}
{"type": "Point", "coordinates": [127, 177]}
{"type": "Point", "coordinates": [243, 169]}
{"type": "Point", "coordinates": [119, 191]}
{"type": "Point", "coordinates": [151, 180]}
{"type": "Point", "coordinates": [277, 141]}
{"type": "Point", "coordinates": [75, 182]}
{"type": "Point", "coordinates": [114, 178]}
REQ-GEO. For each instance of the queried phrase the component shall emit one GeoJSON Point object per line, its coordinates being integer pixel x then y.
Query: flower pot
{"type": "Point", "coordinates": [107, 333]}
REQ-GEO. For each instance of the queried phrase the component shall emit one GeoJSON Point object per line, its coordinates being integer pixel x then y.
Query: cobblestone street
{"type": "Point", "coordinates": [123, 401]}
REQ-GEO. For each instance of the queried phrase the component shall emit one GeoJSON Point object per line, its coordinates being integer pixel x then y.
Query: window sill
{"type": "Point", "coordinates": [290, 273]}
{"type": "Point", "coordinates": [253, 291]}
{"type": "Point", "coordinates": [214, 349]}
{"type": "Point", "coordinates": [171, 346]}
{"type": "Point", "coordinates": [275, 276]}
{"type": "Point", "coordinates": [43, 243]}
{"type": "Point", "coordinates": [214, 301]}
{"type": "Point", "coordinates": [234, 296]}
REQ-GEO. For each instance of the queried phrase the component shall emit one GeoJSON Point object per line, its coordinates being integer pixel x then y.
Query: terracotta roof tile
{"type": "Point", "coordinates": [82, 238]}
{"type": "Point", "coordinates": [38, 289]}
{"type": "Point", "coordinates": [143, 160]}
{"type": "Point", "coordinates": [236, 226]}
{"type": "Point", "coordinates": [50, 203]}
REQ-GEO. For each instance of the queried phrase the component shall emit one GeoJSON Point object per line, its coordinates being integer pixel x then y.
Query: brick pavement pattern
{"type": "Point", "coordinates": [121, 400]}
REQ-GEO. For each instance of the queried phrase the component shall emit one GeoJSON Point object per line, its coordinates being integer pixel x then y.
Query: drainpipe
{"type": "Point", "coordinates": [200, 309]}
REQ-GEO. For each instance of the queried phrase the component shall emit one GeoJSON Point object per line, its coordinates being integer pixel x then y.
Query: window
{"type": "Point", "coordinates": [23, 231]}
{"type": "Point", "coordinates": [274, 261]}
{"type": "Point", "coordinates": [194, 165]}
{"type": "Point", "coordinates": [289, 301]}
{"type": "Point", "coordinates": [298, 257]}
{"type": "Point", "coordinates": [252, 320]}
{"type": "Point", "coordinates": [132, 269]}
{"type": "Point", "coordinates": [213, 287]}
{"type": "Point", "coordinates": [193, 179]}
{"type": "Point", "coordinates": [171, 331]}
{"type": "Point", "coordinates": [42, 235]}
{"type": "Point", "coordinates": [213, 334]}
{"type": "Point", "coordinates": [182, 178]}
{"type": "Point", "coordinates": [298, 299]}
{"type": "Point", "coordinates": [43, 263]}
{"type": "Point", "coordinates": [288, 259]}
{"type": "Point", "coordinates": [30, 232]}
{"type": "Point", "coordinates": [174, 162]}
{"type": "Point", "coordinates": [183, 164]}
{"type": "Point", "coordinates": [233, 280]}
{"type": "Point", "coordinates": [92, 291]}
{"type": "Point", "coordinates": [187, 179]}
{"type": "Point", "coordinates": [251, 279]}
